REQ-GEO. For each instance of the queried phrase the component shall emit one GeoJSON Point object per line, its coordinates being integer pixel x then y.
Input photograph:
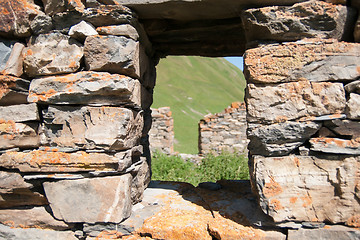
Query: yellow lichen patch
{"type": "Point", "coordinates": [272, 188]}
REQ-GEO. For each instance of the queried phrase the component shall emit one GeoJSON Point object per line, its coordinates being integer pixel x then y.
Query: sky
{"type": "Point", "coordinates": [237, 61]}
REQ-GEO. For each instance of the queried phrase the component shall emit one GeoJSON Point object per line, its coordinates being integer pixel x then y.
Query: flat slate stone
{"type": "Point", "coordinates": [335, 145]}
{"type": "Point", "coordinates": [20, 113]}
{"type": "Point", "coordinates": [86, 88]}
{"type": "Point", "coordinates": [10, 233]}
{"type": "Point", "coordinates": [282, 23]}
{"type": "Point", "coordinates": [18, 135]}
{"type": "Point", "coordinates": [329, 233]}
{"type": "Point", "coordinates": [294, 100]}
{"type": "Point", "coordinates": [53, 161]}
{"type": "Point", "coordinates": [92, 200]}
{"type": "Point", "coordinates": [13, 90]}
{"type": "Point", "coordinates": [279, 139]}
{"type": "Point", "coordinates": [104, 128]}
{"type": "Point", "coordinates": [119, 30]}
{"type": "Point", "coordinates": [307, 188]}
{"type": "Point", "coordinates": [118, 55]}
{"type": "Point", "coordinates": [11, 181]}
{"type": "Point", "coordinates": [309, 59]}
{"type": "Point", "coordinates": [36, 217]}
{"type": "Point", "coordinates": [52, 53]}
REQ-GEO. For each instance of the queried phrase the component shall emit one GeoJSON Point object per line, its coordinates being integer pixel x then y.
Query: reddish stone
{"type": "Point", "coordinates": [16, 17]}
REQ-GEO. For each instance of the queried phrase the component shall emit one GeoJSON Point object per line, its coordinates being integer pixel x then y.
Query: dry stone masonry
{"type": "Point", "coordinates": [224, 132]}
{"type": "Point", "coordinates": [76, 84]}
{"type": "Point", "coordinates": [75, 90]}
{"type": "Point", "coordinates": [161, 134]}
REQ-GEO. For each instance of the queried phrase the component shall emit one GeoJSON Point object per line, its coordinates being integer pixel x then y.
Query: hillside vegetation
{"type": "Point", "coordinates": [193, 87]}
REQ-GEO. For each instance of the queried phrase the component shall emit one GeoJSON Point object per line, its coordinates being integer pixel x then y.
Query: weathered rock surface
{"type": "Point", "coordinates": [51, 7]}
{"type": "Point", "coordinates": [353, 87]}
{"type": "Point", "coordinates": [140, 181]}
{"type": "Point", "coordinates": [33, 233]}
{"type": "Point", "coordinates": [14, 192]}
{"type": "Point", "coordinates": [93, 200]}
{"type": "Point", "coordinates": [296, 22]}
{"type": "Point", "coordinates": [99, 16]}
{"type": "Point", "coordinates": [13, 90]}
{"type": "Point", "coordinates": [309, 59]}
{"type": "Point", "coordinates": [289, 101]}
{"type": "Point", "coordinates": [125, 30]}
{"type": "Point", "coordinates": [16, 17]}
{"type": "Point", "coordinates": [6, 47]}
{"type": "Point", "coordinates": [20, 113]}
{"type": "Point", "coordinates": [88, 88]}
{"type": "Point", "coordinates": [11, 61]}
{"type": "Point", "coordinates": [53, 53]}
{"type": "Point", "coordinates": [190, 10]}
{"type": "Point", "coordinates": [22, 135]}
{"type": "Point", "coordinates": [108, 128]}
{"type": "Point", "coordinates": [82, 30]}
{"type": "Point", "coordinates": [117, 55]}
{"type": "Point", "coordinates": [335, 145]}
{"type": "Point", "coordinates": [281, 138]}
{"type": "Point", "coordinates": [329, 233]}
{"type": "Point", "coordinates": [306, 188]}
{"type": "Point", "coordinates": [36, 217]}
{"type": "Point", "coordinates": [352, 107]}
{"type": "Point", "coordinates": [346, 128]}
{"type": "Point", "coordinates": [181, 211]}
{"type": "Point", "coordinates": [54, 161]}
{"type": "Point", "coordinates": [11, 181]}
{"type": "Point", "coordinates": [41, 24]}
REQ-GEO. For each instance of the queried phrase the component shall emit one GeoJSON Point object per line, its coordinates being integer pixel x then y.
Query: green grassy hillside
{"type": "Point", "coordinates": [193, 87]}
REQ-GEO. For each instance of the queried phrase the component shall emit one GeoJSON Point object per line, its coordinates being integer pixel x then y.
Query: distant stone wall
{"type": "Point", "coordinates": [225, 131]}
{"type": "Point", "coordinates": [161, 135]}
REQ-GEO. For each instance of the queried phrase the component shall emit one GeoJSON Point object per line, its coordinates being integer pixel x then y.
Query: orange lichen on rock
{"type": "Point", "coordinates": [276, 204]}
{"type": "Point", "coordinates": [307, 200]}
{"type": "Point", "coordinates": [43, 96]}
{"type": "Point", "coordinates": [297, 161]}
{"type": "Point", "coordinates": [272, 188]}
{"type": "Point", "coordinates": [293, 200]}
{"type": "Point", "coordinates": [54, 161]}
{"type": "Point", "coordinates": [354, 221]}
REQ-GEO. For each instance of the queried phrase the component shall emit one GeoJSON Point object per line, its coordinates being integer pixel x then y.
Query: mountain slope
{"type": "Point", "coordinates": [194, 87]}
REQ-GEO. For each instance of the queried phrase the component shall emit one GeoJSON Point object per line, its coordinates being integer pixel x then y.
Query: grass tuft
{"type": "Point", "coordinates": [229, 166]}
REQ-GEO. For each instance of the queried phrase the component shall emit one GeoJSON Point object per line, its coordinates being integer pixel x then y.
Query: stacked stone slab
{"type": "Point", "coordinates": [303, 111]}
{"type": "Point", "coordinates": [75, 93]}
{"type": "Point", "coordinates": [225, 131]}
{"type": "Point", "coordinates": [161, 134]}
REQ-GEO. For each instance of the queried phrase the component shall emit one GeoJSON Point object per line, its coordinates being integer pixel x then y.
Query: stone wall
{"type": "Point", "coordinates": [225, 131]}
{"type": "Point", "coordinates": [303, 111]}
{"type": "Point", "coordinates": [161, 134]}
{"type": "Point", "coordinates": [76, 87]}
{"type": "Point", "coordinates": [75, 96]}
